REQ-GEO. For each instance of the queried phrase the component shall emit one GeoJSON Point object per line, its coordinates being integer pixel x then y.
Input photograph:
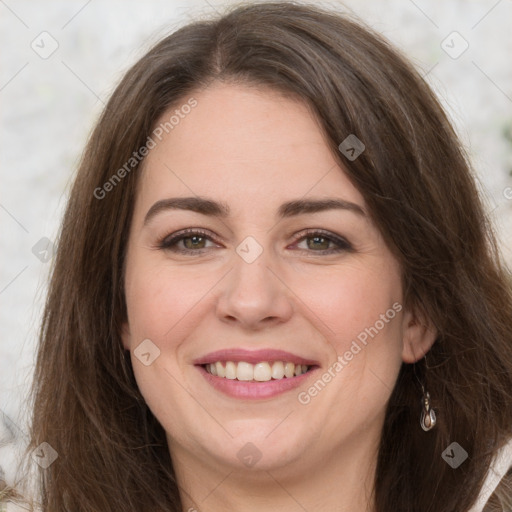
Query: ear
{"type": "Point", "coordinates": [126, 335]}
{"type": "Point", "coordinates": [419, 335]}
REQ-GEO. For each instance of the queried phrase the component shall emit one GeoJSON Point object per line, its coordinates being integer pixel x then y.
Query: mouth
{"type": "Point", "coordinates": [264, 371]}
{"type": "Point", "coordinates": [255, 374]}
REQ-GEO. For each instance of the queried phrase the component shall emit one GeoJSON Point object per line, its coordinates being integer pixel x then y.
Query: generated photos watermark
{"type": "Point", "coordinates": [137, 156]}
{"type": "Point", "coordinates": [356, 346]}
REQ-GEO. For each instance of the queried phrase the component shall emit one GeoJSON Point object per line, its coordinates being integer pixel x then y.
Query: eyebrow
{"type": "Point", "coordinates": [219, 209]}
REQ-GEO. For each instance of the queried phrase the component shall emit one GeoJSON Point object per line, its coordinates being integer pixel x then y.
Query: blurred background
{"type": "Point", "coordinates": [61, 60]}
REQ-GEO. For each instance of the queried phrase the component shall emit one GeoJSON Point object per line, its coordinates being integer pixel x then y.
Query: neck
{"type": "Point", "coordinates": [342, 480]}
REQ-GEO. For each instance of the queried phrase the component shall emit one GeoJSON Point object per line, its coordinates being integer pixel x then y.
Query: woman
{"type": "Point", "coordinates": [275, 286]}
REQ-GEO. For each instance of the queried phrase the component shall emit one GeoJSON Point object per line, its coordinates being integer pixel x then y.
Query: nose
{"type": "Point", "coordinates": [254, 296]}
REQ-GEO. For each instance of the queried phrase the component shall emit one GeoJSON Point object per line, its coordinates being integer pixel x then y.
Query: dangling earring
{"type": "Point", "coordinates": [428, 415]}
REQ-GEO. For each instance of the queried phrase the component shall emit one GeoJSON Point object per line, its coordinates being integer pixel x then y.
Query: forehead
{"type": "Point", "coordinates": [249, 145]}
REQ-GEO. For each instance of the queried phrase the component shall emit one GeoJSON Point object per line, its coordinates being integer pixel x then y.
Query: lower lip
{"type": "Point", "coordinates": [251, 390]}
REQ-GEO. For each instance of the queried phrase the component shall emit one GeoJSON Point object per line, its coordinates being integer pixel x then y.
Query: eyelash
{"type": "Point", "coordinates": [170, 242]}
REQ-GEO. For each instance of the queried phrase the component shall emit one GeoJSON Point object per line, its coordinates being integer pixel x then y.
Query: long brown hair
{"type": "Point", "coordinates": [420, 192]}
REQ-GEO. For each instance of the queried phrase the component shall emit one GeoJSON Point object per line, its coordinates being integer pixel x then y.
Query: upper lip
{"type": "Point", "coordinates": [253, 356]}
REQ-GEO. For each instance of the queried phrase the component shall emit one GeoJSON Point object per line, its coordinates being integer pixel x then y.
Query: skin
{"type": "Point", "coordinates": [254, 149]}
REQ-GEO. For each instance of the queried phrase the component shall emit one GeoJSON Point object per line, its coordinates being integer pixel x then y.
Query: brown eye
{"type": "Point", "coordinates": [318, 242]}
{"type": "Point", "coordinates": [323, 243]}
{"type": "Point", "coordinates": [194, 242]}
{"type": "Point", "coordinates": [188, 241]}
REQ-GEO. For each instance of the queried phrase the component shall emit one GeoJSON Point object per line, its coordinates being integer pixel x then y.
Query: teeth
{"type": "Point", "coordinates": [261, 372]}
{"type": "Point", "coordinates": [289, 370]}
{"type": "Point", "coordinates": [230, 370]}
{"type": "Point", "coordinates": [221, 371]}
{"type": "Point", "coordinates": [278, 370]}
{"type": "Point", "coordinates": [244, 371]}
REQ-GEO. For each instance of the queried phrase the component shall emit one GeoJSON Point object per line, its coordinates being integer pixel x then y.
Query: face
{"type": "Point", "coordinates": [258, 275]}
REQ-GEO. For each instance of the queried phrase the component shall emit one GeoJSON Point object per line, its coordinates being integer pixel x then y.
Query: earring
{"type": "Point", "coordinates": [428, 415]}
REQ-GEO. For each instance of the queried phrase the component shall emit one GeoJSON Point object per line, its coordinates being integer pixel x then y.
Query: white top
{"type": "Point", "coordinates": [500, 465]}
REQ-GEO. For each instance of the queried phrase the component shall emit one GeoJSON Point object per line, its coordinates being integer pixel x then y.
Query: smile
{"type": "Point", "coordinates": [255, 374]}
{"type": "Point", "coordinates": [260, 372]}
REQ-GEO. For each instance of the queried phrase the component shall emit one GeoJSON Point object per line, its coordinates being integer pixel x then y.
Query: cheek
{"type": "Point", "coordinates": [358, 311]}
{"type": "Point", "coordinates": [160, 301]}
{"type": "Point", "coordinates": [163, 305]}
{"type": "Point", "coordinates": [351, 301]}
